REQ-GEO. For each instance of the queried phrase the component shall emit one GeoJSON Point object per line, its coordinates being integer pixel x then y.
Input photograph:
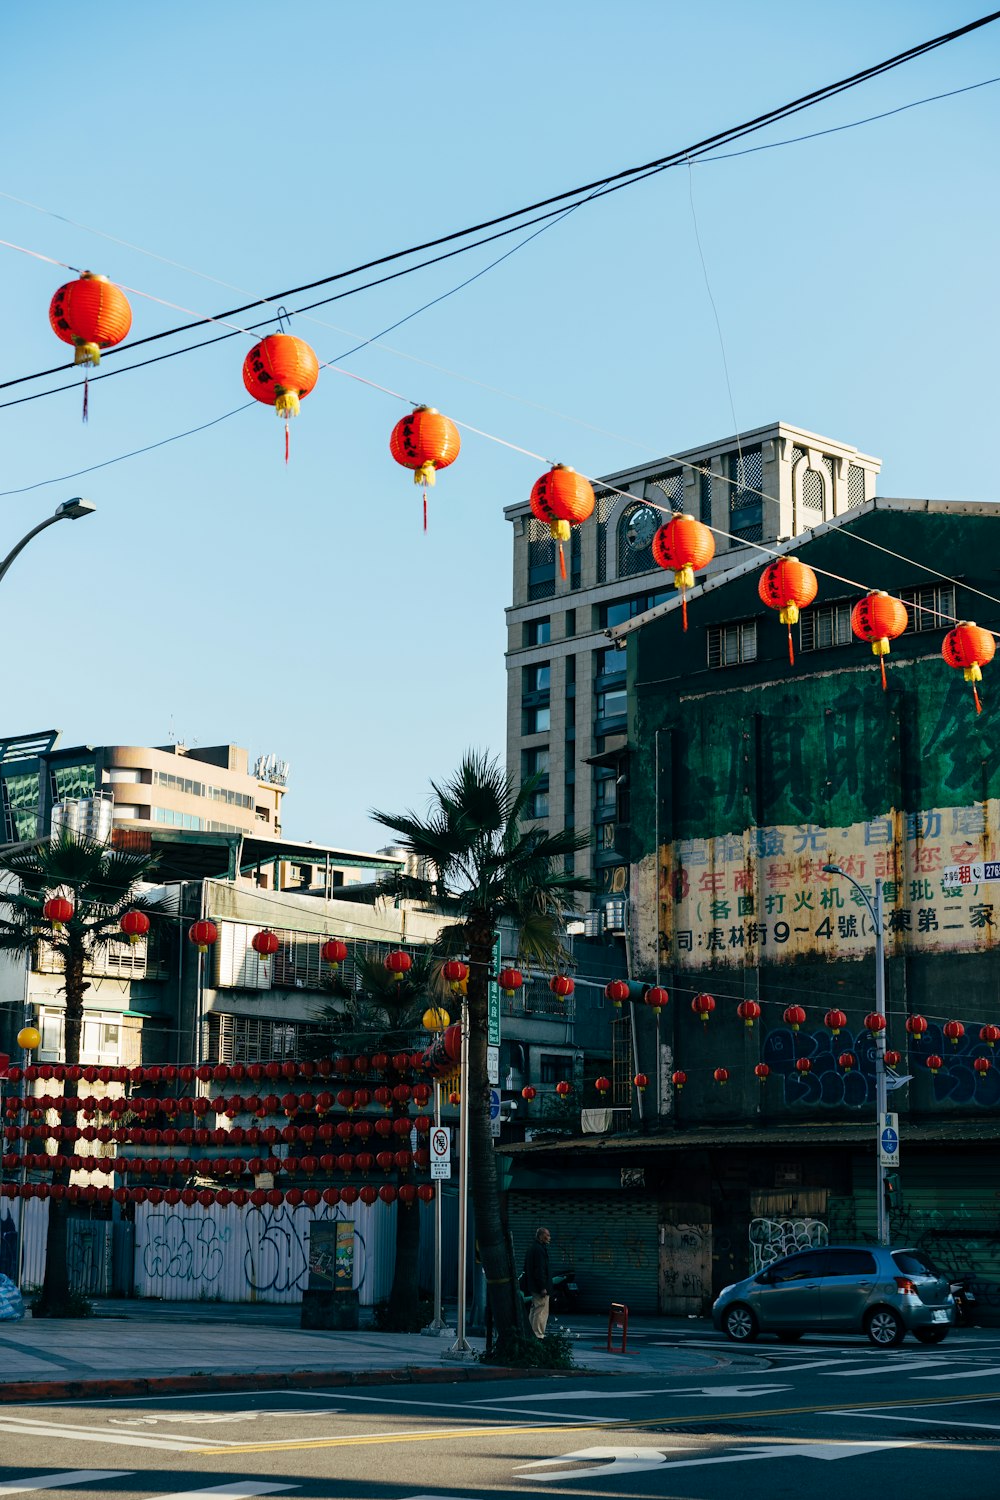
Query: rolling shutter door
{"type": "Point", "coordinates": [610, 1241]}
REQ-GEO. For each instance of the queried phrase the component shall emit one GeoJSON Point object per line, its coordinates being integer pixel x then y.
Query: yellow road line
{"type": "Point", "coordinates": [690, 1418]}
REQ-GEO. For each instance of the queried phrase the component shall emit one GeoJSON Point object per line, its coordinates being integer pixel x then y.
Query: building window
{"type": "Point", "coordinates": [552, 1067]}
{"type": "Point", "coordinates": [813, 490]}
{"type": "Point", "coordinates": [636, 530]}
{"type": "Point", "coordinates": [569, 623]}
{"type": "Point", "coordinates": [830, 624]}
{"type": "Point", "coordinates": [610, 662]}
{"type": "Point", "coordinates": [537, 720]}
{"type": "Point", "coordinates": [538, 632]}
{"type": "Point", "coordinates": [19, 805]}
{"type": "Point", "coordinates": [541, 561]}
{"type": "Point", "coordinates": [926, 606]}
{"type": "Point", "coordinates": [535, 762]}
{"type": "Point", "coordinates": [605, 505]}
{"type": "Point", "coordinates": [73, 781]}
{"type": "Point", "coordinates": [605, 797]}
{"type": "Point", "coordinates": [855, 486]}
{"type": "Point", "coordinates": [705, 496]}
{"type": "Point", "coordinates": [671, 486]}
{"type": "Point", "coordinates": [176, 819]}
{"type": "Point", "coordinates": [729, 645]}
{"type": "Point", "coordinates": [538, 805]}
{"type": "Point", "coordinates": [746, 503]}
{"type": "Point", "coordinates": [826, 625]}
{"type": "Point", "coordinates": [627, 609]}
{"type": "Point", "coordinates": [612, 705]}
{"type": "Point", "coordinates": [537, 679]}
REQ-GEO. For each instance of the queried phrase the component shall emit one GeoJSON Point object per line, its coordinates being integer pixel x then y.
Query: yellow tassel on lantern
{"type": "Point", "coordinates": [86, 354]}
{"type": "Point", "coordinates": [972, 674]}
{"type": "Point", "coordinates": [286, 403]}
{"type": "Point", "coordinates": [684, 577]}
{"type": "Point", "coordinates": [426, 474]}
{"type": "Point", "coordinates": [789, 615]}
{"type": "Point", "coordinates": [560, 532]}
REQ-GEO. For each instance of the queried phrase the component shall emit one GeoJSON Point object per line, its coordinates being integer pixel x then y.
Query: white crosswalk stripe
{"type": "Point", "coordinates": [62, 1481]}
{"type": "Point", "coordinates": [241, 1489]}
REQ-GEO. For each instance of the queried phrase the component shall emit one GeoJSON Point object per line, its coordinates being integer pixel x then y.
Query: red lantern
{"type": "Point", "coordinates": [333, 952]}
{"type": "Point", "coordinates": [762, 1071]}
{"type": "Point", "coordinates": [703, 1006]}
{"type": "Point", "coordinates": [721, 1076]}
{"type": "Point", "coordinates": [835, 1021]}
{"type": "Point", "coordinates": [387, 1193]}
{"type": "Point", "coordinates": [456, 973]}
{"type": "Point", "coordinates": [969, 647]}
{"type": "Point", "coordinates": [425, 441]}
{"type": "Point", "coordinates": [656, 997]}
{"type": "Point", "coordinates": [794, 1017]}
{"type": "Point", "coordinates": [348, 1195]}
{"type": "Point", "coordinates": [528, 1092]}
{"type": "Point", "coordinates": [990, 1035]}
{"type": "Point", "coordinates": [954, 1031]}
{"type": "Point", "coordinates": [425, 1193]}
{"type": "Point", "coordinates": [561, 986]}
{"type": "Point", "coordinates": [561, 499]}
{"type": "Point", "coordinates": [684, 545]}
{"type": "Point", "coordinates": [788, 586]}
{"type": "Point", "coordinates": [935, 1063]}
{"type": "Point", "coordinates": [135, 925]}
{"type": "Point", "coordinates": [203, 934]}
{"type": "Point", "coordinates": [879, 618]}
{"type": "Point", "coordinates": [58, 911]}
{"type": "Point", "coordinates": [368, 1195]}
{"type": "Point", "coordinates": [563, 1088]}
{"type": "Point", "coordinates": [92, 314]}
{"type": "Point", "coordinates": [265, 944]}
{"type": "Point", "coordinates": [916, 1026]}
{"type": "Point", "coordinates": [456, 1098]}
{"type": "Point", "coordinates": [803, 1065]}
{"type": "Point", "coordinates": [616, 991]}
{"type": "Point", "coordinates": [640, 1081]}
{"type": "Point", "coordinates": [398, 963]}
{"type": "Point", "coordinates": [509, 981]}
{"type": "Point", "coordinates": [602, 1085]}
{"type": "Point", "coordinates": [407, 1195]}
{"type": "Point", "coordinates": [678, 1080]}
{"type": "Point", "coordinates": [847, 1061]}
{"type": "Point", "coordinates": [982, 1064]}
{"type": "Point", "coordinates": [279, 371]}
{"type": "Point", "coordinates": [874, 1023]}
{"type": "Point", "coordinates": [748, 1012]}
{"type": "Point", "coordinates": [891, 1058]}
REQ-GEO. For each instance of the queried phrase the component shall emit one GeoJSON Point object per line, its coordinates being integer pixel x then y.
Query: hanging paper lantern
{"type": "Point", "coordinates": [835, 1021]}
{"type": "Point", "coordinates": [874, 1023]}
{"type": "Point", "coordinates": [794, 1017]}
{"type": "Point", "coordinates": [456, 974]}
{"type": "Point", "coordinates": [954, 1031]}
{"type": "Point", "coordinates": [563, 1088]}
{"type": "Point", "coordinates": [58, 911]}
{"type": "Point", "coordinates": [616, 991]}
{"type": "Point", "coordinates": [135, 925]}
{"type": "Point", "coordinates": [748, 1012]}
{"type": "Point", "coordinates": [398, 963]}
{"type": "Point", "coordinates": [803, 1065]}
{"type": "Point", "coordinates": [425, 441]}
{"type": "Point", "coordinates": [561, 499]}
{"type": "Point", "coordinates": [982, 1065]}
{"type": "Point", "coordinates": [333, 952]}
{"type": "Point", "coordinates": [916, 1026]}
{"type": "Point", "coordinates": [368, 1195]}
{"type": "Point", "coordinates": [435, 1019]}
{"type": "Point", "coordinates": [602, 1085]}
{"type": "Point", "coordinates": [528, 1092]}
{"type": "Point", "coordinates": [678, 1079]}
{"type": "Point", "coordinates": [561, 986]}
{"type": "Point", "coordinates": [387, 1193]}
{"type": "Point", "coordinates": [641, 1082]}
{"type": "Point", "coordinates": [935, 1063]}
{"type": "Point", "coordinates": [990, 1035]}
{"type": "Point", "coordinates": [703, 1006]}
{"type": "Point", "coordinates": [879, 618]}
{"type": "Point", "coordinates": [265, 944]}
{"type": "Point", "coordinates": [455, 1097]}
{"type": "Point", "coordinates": [788, 586]}
{"type": "Point", "coordinates": [92, 314]}
{"type": "Point", "coordinates": [656, 998]}
{"type": "Point", "coordinates": [684, 545]}
{"type": "Point", "coordinates": [762, 1071]}
{"type": "Point", "coordinates": [969, 647]}
{"type": "Point", "coordinates": [425, 1193]}
{"type": "Point", "coordinates": [721, 1076]}
{"type": "Point", "coordinates": [203, 934]}
{"type": "Point", "coordinates": [280, 371]}
{"type": "Point", "coordinates": [892, 1058]}
{"type": "Point", "coordinates": [847, 1061]}
{"type": "Point", "coordinates": [510, 980]}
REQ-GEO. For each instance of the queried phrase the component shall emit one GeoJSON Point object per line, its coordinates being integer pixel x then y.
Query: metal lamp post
{"type": "Point", "coordinates": [461, 1348]}
{"type": "Point", "coordinates": [876, 912]}
{"type": "Point", "coordinates": [70, 510]}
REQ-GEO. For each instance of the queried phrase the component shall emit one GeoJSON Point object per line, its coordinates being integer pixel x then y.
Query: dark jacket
{"type": "Point", "coordinates": [536, 1270]}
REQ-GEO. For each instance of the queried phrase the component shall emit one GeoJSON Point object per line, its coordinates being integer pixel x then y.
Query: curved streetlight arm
{"type": "Point", "coordinates": [15, 552]}
{"type": "Point", "coordinates": [875, 916]}
{"type": "Point", "coordinates": [70, 510]}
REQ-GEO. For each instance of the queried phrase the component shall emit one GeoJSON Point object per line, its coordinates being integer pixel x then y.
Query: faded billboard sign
{"type": "Point", "coordinates": [734, 899]}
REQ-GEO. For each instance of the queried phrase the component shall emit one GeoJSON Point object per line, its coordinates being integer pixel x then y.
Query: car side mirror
{"type": "Point", "coordinates": [766, 1278]}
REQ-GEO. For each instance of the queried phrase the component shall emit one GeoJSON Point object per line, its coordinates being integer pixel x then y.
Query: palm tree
{"type": "Point", "coordinates": [484, 868]}
{"type": "Point", "coordinates": [101, 884]}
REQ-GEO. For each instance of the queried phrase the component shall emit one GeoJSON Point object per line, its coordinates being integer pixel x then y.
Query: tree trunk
{"type": "Point", "coordinates": [494, 1250]}
{"type": "Point", "coordinates": [405, 1295]}
{"type": "Point", "coordinates": [55, 1293]}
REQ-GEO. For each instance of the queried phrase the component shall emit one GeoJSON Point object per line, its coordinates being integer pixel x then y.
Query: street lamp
{"type": "Point", "coordinates": [70, 510]}
{"type": "Point", "coordinates": [875, 911]}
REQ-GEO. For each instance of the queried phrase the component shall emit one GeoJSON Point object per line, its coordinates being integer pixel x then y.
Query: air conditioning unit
{"type": "Point", "coordinates": [616, 916]}
{"type": "Point", "coordinates": [593, 924]}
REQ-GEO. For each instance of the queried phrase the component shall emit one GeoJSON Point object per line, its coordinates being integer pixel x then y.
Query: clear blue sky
{"type": "Point", "coordinates": [302, 610]}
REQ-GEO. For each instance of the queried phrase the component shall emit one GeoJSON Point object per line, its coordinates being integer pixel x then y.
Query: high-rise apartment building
{"type": "Point", "coordinates": [566, 691]}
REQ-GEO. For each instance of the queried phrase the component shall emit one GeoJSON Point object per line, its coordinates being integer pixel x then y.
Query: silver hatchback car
{"type": "Point", "coordinates": [883, 1292]}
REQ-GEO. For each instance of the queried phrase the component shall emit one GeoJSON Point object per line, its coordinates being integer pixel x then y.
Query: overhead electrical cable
{"type": "Point", "coordinates": [600, 187]}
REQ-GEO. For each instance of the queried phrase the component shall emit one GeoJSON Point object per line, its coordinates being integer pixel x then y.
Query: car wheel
{"type": "Point", "coordinates": [930, 1335]}
{"type": "Point", "coordinates": [885, 1328]}
{"type": "Point", "coordinates": [740, 1324]}
{"type": "Point", "coordinates": [790, 1335]}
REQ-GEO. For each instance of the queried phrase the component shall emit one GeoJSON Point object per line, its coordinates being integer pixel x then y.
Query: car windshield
{"type": "Point", "coordinates": [915, 1263]}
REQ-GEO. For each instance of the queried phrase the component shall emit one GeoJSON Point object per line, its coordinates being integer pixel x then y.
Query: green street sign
{"type": "Point", "coordinates": [493, 1002]}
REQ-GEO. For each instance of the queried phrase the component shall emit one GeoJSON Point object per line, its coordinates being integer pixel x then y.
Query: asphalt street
{"type": "Point", "coordinates": [823, 1417]}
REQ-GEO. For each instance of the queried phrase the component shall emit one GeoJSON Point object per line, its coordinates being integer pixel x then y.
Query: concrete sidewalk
{"type": "Point", "coordinates": [132, 1348]}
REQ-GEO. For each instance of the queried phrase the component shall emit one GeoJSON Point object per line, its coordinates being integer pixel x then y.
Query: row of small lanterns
{"type": "Point", "coordinates": [92, 314]}
{"type": "Point", "coordinates": [406, 1193]}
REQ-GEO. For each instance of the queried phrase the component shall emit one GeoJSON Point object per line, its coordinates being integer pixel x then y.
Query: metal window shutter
{"type": "Point", "coordinates": [611, 1242]}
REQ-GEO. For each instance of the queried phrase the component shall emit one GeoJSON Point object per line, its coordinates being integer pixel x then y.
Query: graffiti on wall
{"type": "Point", "coordinates": [770, 1239]}
{"type": "Point", "coordinates": [684, 1262]}
{"type": "Point", "coordinates": [828, 1085]}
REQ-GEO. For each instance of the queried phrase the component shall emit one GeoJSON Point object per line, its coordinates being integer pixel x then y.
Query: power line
{"type": "Point", "coordinates": [595, 189]}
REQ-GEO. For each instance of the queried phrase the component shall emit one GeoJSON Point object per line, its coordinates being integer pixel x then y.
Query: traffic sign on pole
{"type": "Point", "coordinates": [440, 1153]}
{"type": "Point", "coordinates": [888, 1140]}
{"type": "Point", "coordinates": [495, 1111]}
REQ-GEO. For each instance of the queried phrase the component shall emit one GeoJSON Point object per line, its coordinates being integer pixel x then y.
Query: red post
{"type": "Point", "coordinates": [618, 1319]}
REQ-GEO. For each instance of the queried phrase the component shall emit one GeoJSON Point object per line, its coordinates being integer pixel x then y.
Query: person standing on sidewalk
{"type": "Point", "coordinates": [538, 1282]}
